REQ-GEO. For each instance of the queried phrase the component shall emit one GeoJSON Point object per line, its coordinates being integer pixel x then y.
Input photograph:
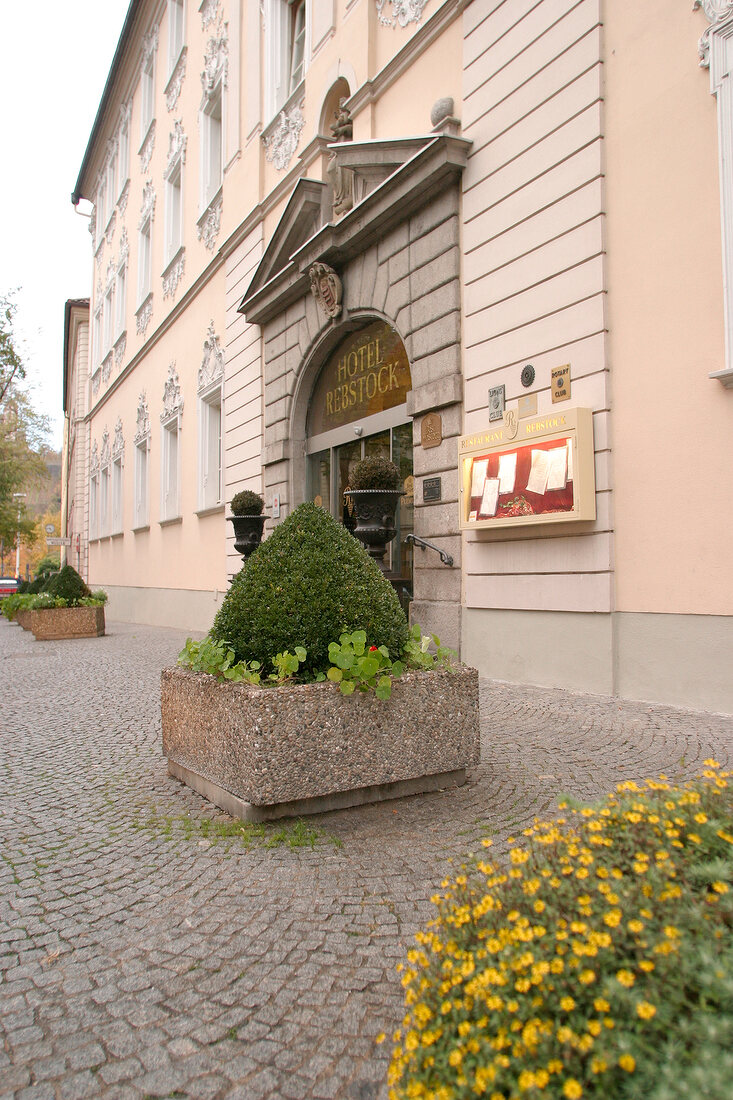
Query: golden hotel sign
{"type": "Point", "coordinates": [367, 374]}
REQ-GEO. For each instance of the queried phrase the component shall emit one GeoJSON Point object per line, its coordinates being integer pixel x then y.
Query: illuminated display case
{"type": "Point", "coordinates": [535, 471]}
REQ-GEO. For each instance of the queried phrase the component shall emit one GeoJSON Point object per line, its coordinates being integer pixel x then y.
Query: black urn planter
{"type": "Point", "coordinates": [247, 533]}
{"type": "Point", "coordinates": [375, 519]}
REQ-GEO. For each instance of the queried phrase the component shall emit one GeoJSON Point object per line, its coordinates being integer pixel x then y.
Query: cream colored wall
{"type": "Point", "coordinates": [671, 432]}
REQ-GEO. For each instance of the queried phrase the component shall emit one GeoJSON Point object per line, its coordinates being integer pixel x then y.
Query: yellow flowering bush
{"type": "Point", "coordinates": [597, 961]}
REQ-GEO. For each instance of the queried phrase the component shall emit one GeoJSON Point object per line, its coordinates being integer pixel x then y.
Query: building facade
{"type": "Point", "coordinates": [330, 228]}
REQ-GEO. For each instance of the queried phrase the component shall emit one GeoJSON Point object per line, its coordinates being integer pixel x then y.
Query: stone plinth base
{"type": "Point", "coordinates": [304, 748]}
{"type": "Point", "coordinates": [56, 623]}
{"type": "Point", "coordinates": [23, 618]}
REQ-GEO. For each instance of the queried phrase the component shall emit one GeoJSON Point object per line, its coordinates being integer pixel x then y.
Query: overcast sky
{"type": "Point", "coordinates": [54, 61]}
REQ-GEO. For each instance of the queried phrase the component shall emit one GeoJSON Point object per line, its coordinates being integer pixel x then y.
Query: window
{"type": "Point", "coordinates": [97, 336]}
{"type": "Point", "coordinates": [111, 186]}
{"type": "Point", "coordinates": [144, 262]}
{"type": "Point", "coordinates": [147, 94]}
{"type": "Point", "coordinates": [104, 501]}
{"type": "Point", "coordinates": [93, 506]}
{"type": "Point", "coordinates": [101, 209]}
{"type": "Point", "coordinates": [124, 147]}
{"type": "Point", "coordinates": [142, 448]}
{"type": "Point", "coordinates": [108, 319]}
{"type": "Point", "coordinates": [169, 481]}
{"type": "Point", "coordinates": [173, 211]}
{"type": "Point", "coordinates": [210, 440]}
{"type": "Point", "coordinates": [296, 44]}
{"type": "Point", "coordinates": [211, 146]}
{"type": "Point", "coordinates": [175, 32]}
{"type": "Point", "coordinates": [286, 31]}
{"type": "Point", "coordinates": [121, 295]}
{"type": "Point", "coordinates": [116, 526]}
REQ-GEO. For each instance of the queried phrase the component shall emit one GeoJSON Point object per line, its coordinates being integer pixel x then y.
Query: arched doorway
{"type": "Point", "coordinates": [357, 409]}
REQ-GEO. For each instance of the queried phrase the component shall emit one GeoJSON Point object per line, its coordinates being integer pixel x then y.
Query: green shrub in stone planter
{"type": "Point", "coordinates": [68, 586]}
{"type": "Point", "coordinates": [375, 491]}
{"type": "Point", "coordinates": [247, 521]}
{"type": "Point", "coordinates": [306, 584]}
{"type": "Point", "coordinates": [247, 503]}
{"type": "Point", "coordinates": [376, 473]}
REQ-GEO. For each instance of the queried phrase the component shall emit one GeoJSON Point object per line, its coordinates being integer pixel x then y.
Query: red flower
{"type": "Point", "coordinates": [372, 649]}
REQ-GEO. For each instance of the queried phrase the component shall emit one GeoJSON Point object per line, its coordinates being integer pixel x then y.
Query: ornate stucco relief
{"type": "Point", "coordinates": [177, 142]}
{"type": "Point", "coordinates": [148, 145]}
{"type": "Point", "coordinates": [94, 461]}
{"type": "Point", "coordinates": [209, 10]}
{"type": "Point", "coordinates": [150, 43]}
{"type": "Point", "coordinates": [281, 143]}
{"type": "Point", "coordinates": [124, 248]}
{"type": "Point", "coordinates": [120, 349]}
{"type": "Point", "coordinates": [143, 315]}
{"type": "Point", "coordinates": [142, 426]}
{"type": "Point", "coordinates": [173, 274]}
{"type": "Point", "coordinates": [212, 364]}
{"type": "Point", "coordinates": [122, 204]}
{"type": "Point", "coordinates": [209, 224]}
{"type": "Point", "coordinates": [403, 12]}
{"type": "Point", "coordinates": [174, 85]}
{"type": "Point", "coordinates": [106, 367]}
{"type": "Point", "coordinates": [216, 61]}
{"type": "Point", "coordinates": [118, 443]}
{"type": "Point", "coordinates": [172, 397]}
{"type": "Point", "coordinates": [104, 458]}
{"type": "Point", "coordinates": [96, 381]}
{"type": "Point", "coordinates": [717, 12]}
{"type": "Point", "coordinates": [147, 211]}
{"type": "Point", "coordinates": [111, 272]}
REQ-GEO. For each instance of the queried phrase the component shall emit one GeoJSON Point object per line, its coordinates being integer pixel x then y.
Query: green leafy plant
{"type": "Point", "coordinates": [306, 584]}
{"type": "Point", "coordinates": [418, 654]}
{"type": "Point", "coordinates": [375, 472]}
{"type": "Point", "coordinates": [354, 665]}
{"type": "Point", "coordinates": [594, 962]}
{"type": "Point", "coordinates": [68, 585]}
{"type": "Point", "coordinates": [286, 665]}
{"type": "Point", "coordinates": [247, 503]}
{"type": "Point", "coordinates": [218, 659]}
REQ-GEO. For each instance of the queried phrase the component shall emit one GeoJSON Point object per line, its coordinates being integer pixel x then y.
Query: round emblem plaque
{"type": "Point", "coordinates": [527, 375]}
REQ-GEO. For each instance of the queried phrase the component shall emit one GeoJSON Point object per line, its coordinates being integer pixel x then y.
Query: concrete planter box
{"type": "Point", "coordinates": [262, 753]}
{"type": "Point", "coordinates": [54, 623]}
{"type": "Point", "coordinates": [23, 618]}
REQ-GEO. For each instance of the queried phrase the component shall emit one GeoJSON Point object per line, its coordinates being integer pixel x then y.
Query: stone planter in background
{"type": "Point", "coordinates": [22, 618]}
{"type": "Point", "coordinates": [262, 753]}
{"type": "Point", "coordinates": [54, 623]}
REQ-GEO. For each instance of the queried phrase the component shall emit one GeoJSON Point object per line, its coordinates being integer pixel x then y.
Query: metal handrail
{"type": "Point", "coordinates": [445, 558]}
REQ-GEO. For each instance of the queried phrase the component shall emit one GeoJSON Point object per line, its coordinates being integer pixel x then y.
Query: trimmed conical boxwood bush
{"type": "Point", "coordinates": [305, 584]}
{"type": "Point", "coordinates": [68, 585]}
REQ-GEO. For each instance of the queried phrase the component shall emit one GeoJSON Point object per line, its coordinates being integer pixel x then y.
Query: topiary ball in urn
{"type": "Point", "coordinates": [375, 491]}
{"type": "Point", "coordinates": [248, 521]}
{"type": "Point", "coordinates": [309, 581]}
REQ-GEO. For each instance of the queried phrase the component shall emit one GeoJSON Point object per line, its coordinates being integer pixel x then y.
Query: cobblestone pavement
{"type": "Point", "coordinates": [138, 958]}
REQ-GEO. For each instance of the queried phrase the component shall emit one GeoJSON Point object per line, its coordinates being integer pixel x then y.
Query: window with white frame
{"type": "Point", "coordinates": [97, 336]}
{"type": "Point", "coordinates": [142, 477]}
{"type": "Point", "coordinates": [121, 299]}
{"type": "Point", "coordinates": [101, 208]}
{"type": "Point", "coordinates": [175, 32]}
{"type": "Point", "coordinates": [173, 210]}
{"type": "Point", "coordinates": [94, 505]}
{"type": "Point", "coordinates": [210, 445]}
{"type": "Point", "coordinates": [108, 319]}
{"type": "Point", "coordinates": [111, 185]}
{"type": "Point", "coordinates": [211, 146]}
{"type": "Point", "coordinates": [286, 26]}
{"type": "Point", "coordinates": [147, 93]}
{"type": "Point", "coordinates": [144, 261]}
{"type": "Point", "coordinates": [104, 516]}
{"type": "Point", "coordinates": [124, 150]}
{"type": "Point", "coordinates": [169, 478]}
{"type": "Point", "coordinates": [116, 516]}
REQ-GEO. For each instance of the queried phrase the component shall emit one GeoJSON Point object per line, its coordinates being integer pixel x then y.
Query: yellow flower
{"type": "Point", "coordinates": [567, 1004]}
{"type": "Point", "coordinates": [645, 1010]}
{"type": "Point", "coordinates": [625, 977]}
{"type": "Point", "coordinates": [539, 906]}
{"type": "Point", "coordinates": [586, 977]}
{"type": "Point", "coordinates": [455, 1058]}
{"type": "Point", "coordinates": [380, 1038]}
{"type": "Point", "coordinates": [720, 887]}
{"type": "Point", "coordinates": [594, 1027]}
{"type": "Point", "coordinates": [627, 1062]}
{"type": "Point", "coordinates": [646, 964]}
{"type": "Point", "coordinates": [598, 1065]}
{"type": "Point", "coordinates": [486, 842]}
{"type": "Point", "coordinates": [601, 1005]}
{"type": "Point", "coordinates": [612, 918]}
{"type": "Point", "coordinates": [572, 1089]}
{"type": "Point", "coordinates": [635, 925]}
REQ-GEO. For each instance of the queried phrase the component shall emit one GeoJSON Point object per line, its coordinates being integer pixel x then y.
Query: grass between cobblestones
{"type": "Point", "coordinates": [211, 831]}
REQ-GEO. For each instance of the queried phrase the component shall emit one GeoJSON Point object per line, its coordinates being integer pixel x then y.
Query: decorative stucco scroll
{"type": "Point", "coordinates": [147, 150]}
{"type": "Point", "coordinates": [120, 349]}
{"type": "Point", "coordinates": [172, 398]}
{"type": "Point", "coordinates": [174, 85]}
{"type": "Point", "coordinates": [281, 144]}
{"type": "Point", "coordinates": [118, 443]}
{"type": "Point", "coordinates": [208, 227]}
{"type": "Point", "coordinates": [143, 315]}
{"type": "Point", "coordinates": [209, 10]}
{"type": "Point", "coordinates": [122, 204]}
{"type": "Point", "coordinates": [147, 210]}
{"type": "Point", "coordinates": [173, 275]}
{"type": "Point", "coordinates": [717, 12]}
{"type": "Point", "coordinates": [105, 455]}
{"type": "Point", "coordinates": [94, 461]}
{"type": "Point", "coordinates": [177, 142]}
{"type": "Point", "coordinates": [403, 12]}
{"type": "Point", "coordinates": [142, 427]}
{"type": "Point", "coordinates": [216, 61]}
{"type": "Point", "coordinates": [124, 248]}
{"type": "Point", "coordinates": [212, 364]}
{"type": "Point", "coordinates": [106, 368]}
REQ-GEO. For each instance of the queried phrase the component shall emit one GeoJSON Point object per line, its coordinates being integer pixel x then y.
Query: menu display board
{"type": "Point", "coordinates": [543, 473]}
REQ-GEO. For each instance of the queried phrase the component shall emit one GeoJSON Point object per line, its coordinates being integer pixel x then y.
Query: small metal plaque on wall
{"type": "Point", "coordinates": [497, 402]}
{"type": "Point", "coordinates": [431, 430]}
{"type": "Point", "coordinates": [430, 489]}
{"type": "Point", "coordinates": [561, 383]}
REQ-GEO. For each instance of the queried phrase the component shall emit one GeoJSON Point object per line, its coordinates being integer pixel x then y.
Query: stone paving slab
{"type": "Point", "coordinates": [140, 959]}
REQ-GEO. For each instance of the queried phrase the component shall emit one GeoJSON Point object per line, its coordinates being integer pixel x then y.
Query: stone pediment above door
{"type": "Point", "coordinates": [392, 180]}
{"type": "Point", "coordinates": [303, 216]}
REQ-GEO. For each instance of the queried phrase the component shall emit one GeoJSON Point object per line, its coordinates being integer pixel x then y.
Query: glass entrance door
{"type": "Point", "coordinates": [329, 475]}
